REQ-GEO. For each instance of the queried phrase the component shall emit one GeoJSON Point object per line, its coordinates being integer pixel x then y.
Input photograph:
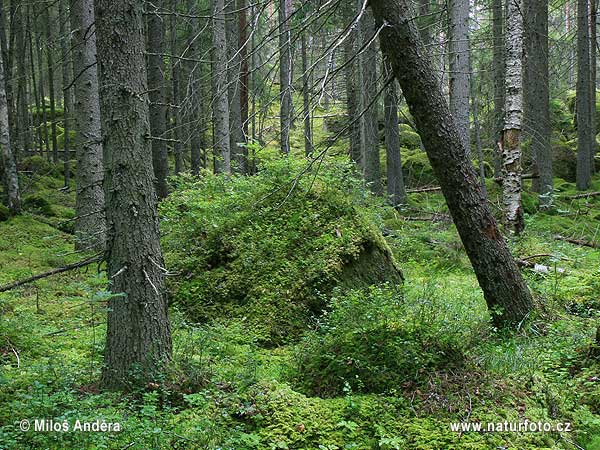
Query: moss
{"type": "Point", "coordinates": [564, 160]}
{"type": "Point", "coordinates": [416, 167]}
{"type": "Point", "coordinates": [251, 248]}
{"type": "Point", "coordinates": [38, 204]}
{"type": "Point", "coordinates": [529, 202]}
{"type": "Point", "coordinates": [410, 139]}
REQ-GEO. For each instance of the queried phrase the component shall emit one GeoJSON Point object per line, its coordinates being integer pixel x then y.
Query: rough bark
{"type": "Point", "coordinates": [396, 192]}
{"type": "Point", "coordinates": [138, 337]}
{"type": "Point", "coordinates": [584, 107]}
{"type": "Point", "coordinates": [352, 99]}
{"type": "Point", "coordinates": [499, 69]}
{"type": "Point", "coordinates": [156, 87]}
{"type": "Point", "coordinates": [236, 131]}
{"type": "Point", "coordinates": [22, 97]}
{"type": "Point", "coordinates": [536, 95]}
{"type": "Point", "coordinates": [513, 110]}
{"type": "Point", "coordinates": [285, 76]}
{"type": "Point", "coordinates": [504, 289]}
{"type": "Point", "coordinates": [176, 112]}
{"type": "Point", "coordinates": [10, 179]}
{"type": "Point", "coordinates": [6, 57]}
{"type": "Point", "coordinates": [593, 74]}
{"type": "Point", "coordinates": [458, 55]}
{"type": "Point", "coordinates": [194, 69]}
{"type": "Point", "coordinates": [220, 103]}
{"type": "Point", "coordinates": [67, 75]}
{"type": "Point", "coordinates": [308, 145]}
{"type": "Point", "coordinates": [90, 225]}
{"type": "Point", "coordinates": [370, 106]}
{"type": "Point", "coordinates": [40, 64]}
{"type": "Point", "coordinates": [51, 82]}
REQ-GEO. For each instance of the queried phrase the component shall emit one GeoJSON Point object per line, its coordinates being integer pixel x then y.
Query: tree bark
{"type": "Point", "coordinates": [536, 95]}
{"type": "Point", "coordinates": [194, 71]}
{"type": "Point", "coordinates": [220, 103]}
{"type": "Point", "coordinates": [308, 144]}
{"type": "Point", "coordinates": [593, 74]}
{"type": "Point", "coordinates": [352, 98]}
{"type": "Point", "coordinates": [90, 226]}
{"type": "Point", "coordinates": [370, 105]}
{"type": "Point", "coordinates": [285, 76]}
{"type": "Point", "coordinates": [67, 75]}
{"type": "Point", "coordinates": [458, 55]}
{"type": "Point", "coordinates": [22, 97]}
{"type": "Point", "coordinates": [513, 110]}
{"type": "Point", "coordinates": [396, 192]}
{"type": "Point", "coordinates": [499, 69]}
{"type": "Point", "coordinates": [156, 87]}
{"type": "Point", "coordinates": [584, 107]}
{"type": "Point", "coordinates": [10, 179]}
{"type": "Point", "coordinates": [504, 289]}
{"type": "Point", "coordinates": [51, 82]}
{"type": "Point", "coordinates": [176, 114]}
{"type": "Point", "coordinates": [138, 337]}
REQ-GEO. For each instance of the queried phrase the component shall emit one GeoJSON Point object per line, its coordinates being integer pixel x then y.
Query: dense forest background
{"type": "Point", "coordinates": [239, 224]}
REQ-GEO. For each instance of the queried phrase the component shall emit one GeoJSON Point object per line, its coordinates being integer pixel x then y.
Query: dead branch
{"type": "Point", "coordinates": [580, 242]}
{"type": "Point", "coordinates": [77, 265]}
{"type": "Point", "coordinates": [586, 195]}
{"type": "Point", "coordinates": [429, 189]}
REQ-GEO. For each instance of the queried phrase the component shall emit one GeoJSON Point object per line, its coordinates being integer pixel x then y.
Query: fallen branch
{"type": "Point", "coordinates": [432, 218]}
{"type": "Point", "coordinates": [429, 189]}
{"type": "Point", "coordinates": [538, 267]}
{"type": "Point", "coordinates": [577, 242]}
{"type": "Point", "coordinates": [77, 265]}
{"type": "Point", "coordinates": [589, 194]}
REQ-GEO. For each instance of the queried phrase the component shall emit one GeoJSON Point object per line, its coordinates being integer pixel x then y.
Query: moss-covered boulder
{"type": "Point", "coordinates": [39, 205]}
{"type": "Point", "coordinates": [416, 167]}
{"type": "Point", "coordinates": [336, 125]}
{"type": "Point", "coordinates": [410, 139]}
{"type": "Point", "coordinates": [259, 250]}
{"type": "Point", "coordinates": [564, 160]}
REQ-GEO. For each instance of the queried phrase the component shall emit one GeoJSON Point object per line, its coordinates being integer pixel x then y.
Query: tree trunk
{"type": "Point", "coordinates": [536, 95]}
{"type": "Point", "coordinates": [396, 192]}
{"type": "Point", "coordinates": [308, 145]}
{"type": "Point", "coordinates": [285, 76]}
{"type": "Point", "coordinates": [220, 103]}
{"type": "Point", "coordinates": [194, 71]}
{"type": "Point", "coordinates": [352, 98]}
{"type": "Point", "coordinates": [458, 55]}
{"type": "Point", "coordinates": [156, 87]}
{"type": "Point", "coordinates": [40, 64]}
{"type": "Point", "coordinates": [593, 73]}
{"type": "Point", "coordinates": [499, 68]}
{"type": "Point", "coordinates": [10, 179]}
{"type": "Point", "coordinates": [372, 169]}
{"type": "Point", "coordinates": [138, 336]}
{"type": "Point", "coordinates": [6, 57]}
{"type": "Point", "coordinates": [504, 289]}
{"type": "Point", "coordinates": [90, 226]}
{"type": "Point", "coordinates": [22, 97]}
{"type": "Point", "coordinates": [584, 107]}
{"type": "Point", "coordinates": [176, 114]}
{"type": "Point", "coordinates": [51, 92]}
{"type": "Point", "coordinates": [513, 110]}
{"type": "Point", "coordinates": [67, 75]}
{"type": "Point", "coordinates": [236, 131]}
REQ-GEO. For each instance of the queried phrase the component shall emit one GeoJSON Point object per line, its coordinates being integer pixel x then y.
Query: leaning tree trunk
{"type": "Point", "coordinates": [584, 107]}
{"type": "Point", "coordinates": [458, 55]}
{"type": "Point", "coordinates": [220, 103]}
{"type": "Point", "coordinates": [138, 336]}
{"type": "Point", "coordinates": [536, 95]}
{"type": "Point", "coordinates": [396, 192]}
{"type": "Point", "coordinates": [513, 110]}
{"type": "Point", "coordinates": [285, 76]}
{"type": "Point", "coordinates": [10, 179]}
{"type": "Point", "coordinates": [156, 86]}
{"type": "Point", "coordinates": [504, 289]}
{"type": "Point", "coordinates": [90, 225]}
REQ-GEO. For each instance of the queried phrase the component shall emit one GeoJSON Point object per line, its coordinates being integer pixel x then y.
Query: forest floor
{"type": "Point", "coordinates": [52, 337]}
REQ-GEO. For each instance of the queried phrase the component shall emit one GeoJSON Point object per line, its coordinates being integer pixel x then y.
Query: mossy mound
{"type": "Point", "coordinates": [39, 205]}
{"type": "Point", "coordinates": [409, 139]}
{"type": "Point", "coordinates": [416, 167]}
{"type": "Point", "coordinates": [253, 248]}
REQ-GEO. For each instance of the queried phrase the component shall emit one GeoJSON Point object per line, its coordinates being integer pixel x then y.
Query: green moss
{"type": "Point", "coordinates": [250, 247]}
{"type": "Point", "coordinates": [529, 202]}
{"type": "Point", "coordinates": [410, 139]}
{"type": "Point", "coordinates": [38, 204]}
{"type": "Point", "coordinates": [416, 167]}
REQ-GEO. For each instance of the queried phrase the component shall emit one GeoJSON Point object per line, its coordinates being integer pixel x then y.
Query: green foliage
{"type": "Point", "coordinates": [374, 340]}
{"type": "Point", "coordinates": [269, 248]}
{"type": "Point", "coordinates": [416, 167]}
